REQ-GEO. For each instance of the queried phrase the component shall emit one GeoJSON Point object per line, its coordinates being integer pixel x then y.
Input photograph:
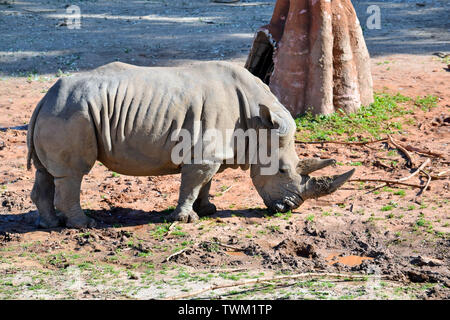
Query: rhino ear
{"type": "Point", "coordinates": [271, 120]}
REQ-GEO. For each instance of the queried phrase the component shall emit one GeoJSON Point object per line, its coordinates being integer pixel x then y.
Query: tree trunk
{"type": "Point", "coordinates": [313, 56]}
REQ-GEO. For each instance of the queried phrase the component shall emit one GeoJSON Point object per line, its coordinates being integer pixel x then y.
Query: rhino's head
{"type": "Point", "coordinates": [291, 184]}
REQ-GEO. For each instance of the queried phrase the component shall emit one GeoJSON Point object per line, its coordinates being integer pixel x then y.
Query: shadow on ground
{"type": "Point", "coordinates": [114, 217]}
{"type": "Point", "coordinates": [37, 39]}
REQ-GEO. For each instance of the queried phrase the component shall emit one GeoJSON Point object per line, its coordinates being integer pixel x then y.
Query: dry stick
{"type": "Point", "coordinates": [269, 279]}
{"type": "Point", "coordinates": [228, 270]}
{"type": "Point", "coordinates": [171, 227]}
{"type": "Point", "coordinates": [361, 143]}
{"type": "Point", "coordinates": [387, 181]}
{"type": "Point", "coordinates": [402, 149]}
{"type": "Point", "coordinates": [428, 182]}
{"type": "Point", "coordinates": [424, 152]}
{"type": "Point", "coordinates": [372, 148]}
{"type": "Point", "coordinates": [422, 166]}
{"type": "Point", "coordinates": [176, 254]}
{"type": "Point", "coordinates": [433, 177]}
{"type": "Point", "coordinates": [401, 179]}
{"type": "Point", "coordinates": [228, 189]}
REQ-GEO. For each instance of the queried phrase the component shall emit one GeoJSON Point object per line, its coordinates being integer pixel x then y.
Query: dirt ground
{"type": "Point", "coordinates": [396, 238]}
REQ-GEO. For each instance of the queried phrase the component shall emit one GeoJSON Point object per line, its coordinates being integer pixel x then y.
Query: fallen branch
{"type": "Point", "coordinates": [387, 182]}
{"type": "Point", "coordinates": [271, 279]}
{"type": "Point", "coordinates": [402, 149]}
{"type": "Point", "coordinates": [358, 143]}
{"type": "Point", "coordinates": [399, 181]}
{"type": "Point", "coordinates": [424, 152]}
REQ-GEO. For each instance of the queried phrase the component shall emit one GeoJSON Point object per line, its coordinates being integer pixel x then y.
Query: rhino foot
{"type": "Point", "coordinates": [80, 222]}
{"type": "Point", "coordinates": [205, 210]}
{"type": "Point", "coordinates": [48, 223]}
{"type": "Point", "coordinates": [183, 216]}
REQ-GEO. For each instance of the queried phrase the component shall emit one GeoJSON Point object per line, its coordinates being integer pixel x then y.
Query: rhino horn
{"type": "Point", "coordinates": [321, 186]}
{"type": "Point", "coordinates": [307, 166]}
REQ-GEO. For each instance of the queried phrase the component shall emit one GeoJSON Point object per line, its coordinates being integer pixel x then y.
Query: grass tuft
{"type": "Point", "coordinates": [371, 122]}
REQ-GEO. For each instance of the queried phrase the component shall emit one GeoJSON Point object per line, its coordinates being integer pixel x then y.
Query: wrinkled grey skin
{"type": "Point", "coordinates": [123, 116]}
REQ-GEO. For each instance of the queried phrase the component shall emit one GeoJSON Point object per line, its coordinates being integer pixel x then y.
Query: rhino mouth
{"type": "Point", "coordinates": [293, 201]}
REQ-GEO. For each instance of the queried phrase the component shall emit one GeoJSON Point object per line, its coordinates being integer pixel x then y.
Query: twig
{"type": "Point", "coordinates": [402, 149]}
{"type": "Point", "coordinates": [377, 187]}
{"type": "Point", "coordinates": [404, 178]}
{"type": "Point", "coordinates": [428, 182]}
{"type": "Point", "coordinates": [171, 227]}
{"type": "Point", "coordinates": [228, 270]}
{"type": "Point", "coordinates": [268, 279]}
{"type": "Point", "coordinates": [359, 143]}
{"type": "Point", "coordinates": [176, 254]}
{"type": "Point", "coordinates": [422, 166]}
{"type": "Point", "coordinates": [228, 189]}
{"type": "Point", "coordinates": [386, 181]}
{"type": "Point", "coordinates": [424, 152]}
{"type": "Point", "coordinates": [442, 173]}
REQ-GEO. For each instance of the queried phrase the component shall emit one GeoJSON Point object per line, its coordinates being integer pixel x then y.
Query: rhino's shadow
{"type": "Point", "coordinates": [111, 218]}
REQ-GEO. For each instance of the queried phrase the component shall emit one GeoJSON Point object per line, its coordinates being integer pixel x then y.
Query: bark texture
{"type": "Point", "coordinates": [313, 56]}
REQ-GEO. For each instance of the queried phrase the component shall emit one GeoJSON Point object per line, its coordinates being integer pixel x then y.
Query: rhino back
{"type": "Point", "coordinates": [134, 110]}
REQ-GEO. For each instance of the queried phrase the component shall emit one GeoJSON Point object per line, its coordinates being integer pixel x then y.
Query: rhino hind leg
{"type": "Point", "coordinates": [43, 195]}
{"type": "Point", "coordinates": [202, 206]}
{"type": "Point", "coordinates": [193, 178]}
{"type": "Point", "coordinates": [67, 200]}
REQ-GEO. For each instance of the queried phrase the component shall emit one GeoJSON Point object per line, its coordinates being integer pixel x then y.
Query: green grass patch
{"type": "Point", "coordinates": [426, 103]}
{"type": "Point", "coordinates": [160, 231]}
{"type": "Point", "coordinates": [285, 215]}
{"type": "Point", "coordinates": [374, 120]}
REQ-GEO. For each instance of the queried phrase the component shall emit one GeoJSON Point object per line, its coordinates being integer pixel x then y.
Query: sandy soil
{"type": "Point", "coordinates": [401, 252]}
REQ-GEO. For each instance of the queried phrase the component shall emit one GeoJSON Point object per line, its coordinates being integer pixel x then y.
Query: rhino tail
{"type": "Point", "coordinates": [30, 133]}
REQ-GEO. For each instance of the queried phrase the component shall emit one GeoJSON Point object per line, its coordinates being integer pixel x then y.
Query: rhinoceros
{"type": "Point", "coordinates": [124, 116]}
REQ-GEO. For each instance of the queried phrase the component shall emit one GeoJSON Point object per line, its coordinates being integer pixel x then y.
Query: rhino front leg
{"type": "Point", "coordinates": [202, 205]}
{"type": "Point", "coordinates": [67, 200]}
{"type": "Point", "coordinates": [42, 195]}
{"type": "Point", "coordinates": [193, 178]}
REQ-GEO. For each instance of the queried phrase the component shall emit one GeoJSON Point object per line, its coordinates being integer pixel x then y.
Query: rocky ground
{"type": "Point", "coordinates": [394, 240]}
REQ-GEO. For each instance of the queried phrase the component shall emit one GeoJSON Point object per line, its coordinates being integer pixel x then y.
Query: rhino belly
{"type": "Point", "coordinates": [138, 156]}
